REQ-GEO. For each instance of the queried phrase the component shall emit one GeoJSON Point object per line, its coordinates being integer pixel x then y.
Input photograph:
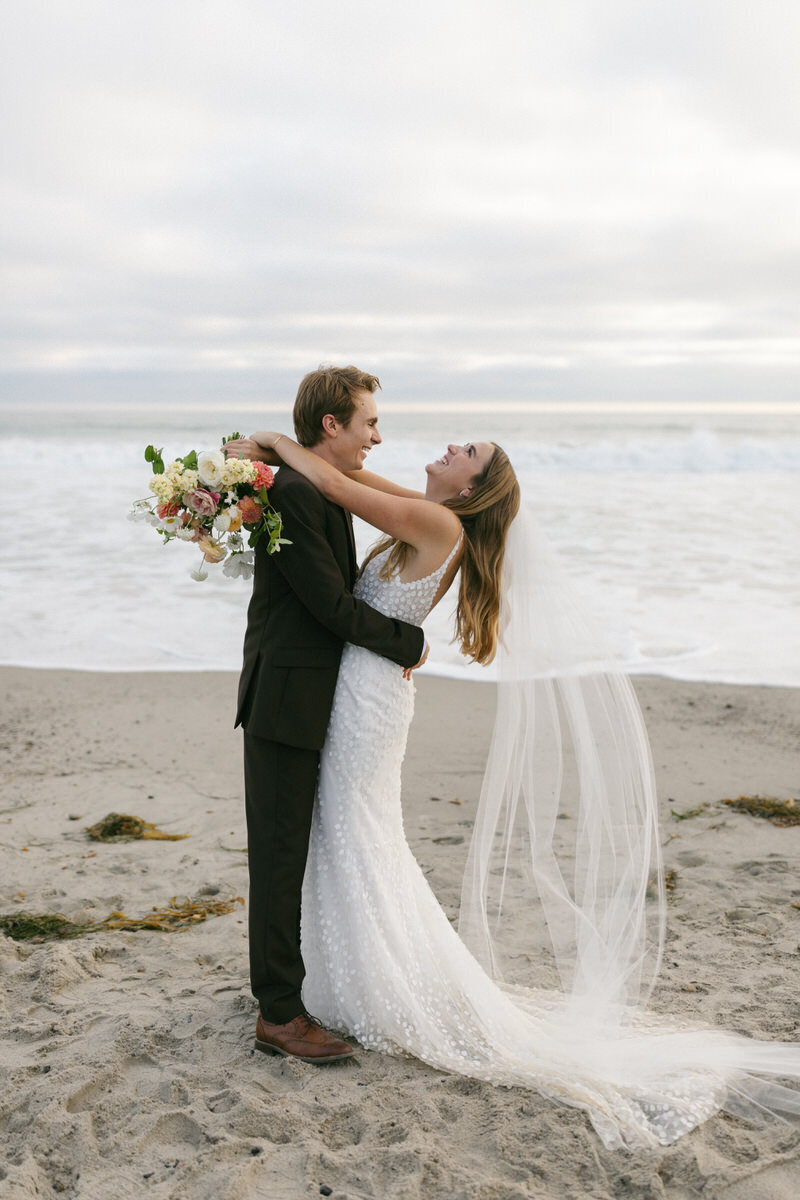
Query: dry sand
{"type": "Point", "coordinates": [127, 1061]}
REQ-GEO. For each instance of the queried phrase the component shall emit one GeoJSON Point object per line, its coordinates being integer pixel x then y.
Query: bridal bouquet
{"type": "Point", "coordinates": [211, 500]}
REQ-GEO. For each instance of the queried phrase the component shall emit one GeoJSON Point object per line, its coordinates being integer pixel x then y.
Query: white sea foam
{"type": "Point", "coordinates": [684, 540]}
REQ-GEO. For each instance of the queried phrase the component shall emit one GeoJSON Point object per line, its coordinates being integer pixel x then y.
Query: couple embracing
{"type": "Point", "coordinates": [326, 701]}
{"type": "Point", "coordinates": [327, 664]}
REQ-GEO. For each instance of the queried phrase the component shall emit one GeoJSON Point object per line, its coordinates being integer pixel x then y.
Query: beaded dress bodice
{"type": "Point", "coordinates": [410, 601]}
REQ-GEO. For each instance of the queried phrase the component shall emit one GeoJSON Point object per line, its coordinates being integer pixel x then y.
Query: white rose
{"type": "Point", "coordinates": [210, 466]}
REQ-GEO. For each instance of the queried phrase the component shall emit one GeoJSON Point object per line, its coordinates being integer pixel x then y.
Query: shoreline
{"type": "Point", "coordinates": [127, 1058]}
{"type": "Point", "coordinates": [448, 674]}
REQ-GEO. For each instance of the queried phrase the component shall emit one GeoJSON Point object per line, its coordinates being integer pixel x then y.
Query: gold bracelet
{"type": "Point", "coordinates": [277, 439]}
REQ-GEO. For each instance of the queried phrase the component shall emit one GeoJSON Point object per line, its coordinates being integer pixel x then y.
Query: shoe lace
{"type": "Point", "coordinates": [311, 1020]}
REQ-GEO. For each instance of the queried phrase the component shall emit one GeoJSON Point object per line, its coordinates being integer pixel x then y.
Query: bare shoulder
{"type": "Point", "coordinates": [439, 533]}
{"type": "Point", "coordinates": [448, 522]}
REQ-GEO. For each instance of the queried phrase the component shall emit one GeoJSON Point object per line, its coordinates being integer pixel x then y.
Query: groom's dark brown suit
{"type": "Point", "coordinates": [301, 614]}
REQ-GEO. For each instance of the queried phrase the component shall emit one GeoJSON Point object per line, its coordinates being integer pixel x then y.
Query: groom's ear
{"type": "Point", "coordinates": [329, 425]}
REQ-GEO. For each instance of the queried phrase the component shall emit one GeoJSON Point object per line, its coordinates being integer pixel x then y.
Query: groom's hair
{"type": "Point", "coordinates": [328, 390]}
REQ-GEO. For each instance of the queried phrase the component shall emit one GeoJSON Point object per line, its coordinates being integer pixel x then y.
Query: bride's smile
{"type": "Point", "coordinates": [456, 471]}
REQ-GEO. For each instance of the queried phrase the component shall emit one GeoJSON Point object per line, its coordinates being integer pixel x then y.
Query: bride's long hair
{"type": "Point", "coordinates": [485, 516]}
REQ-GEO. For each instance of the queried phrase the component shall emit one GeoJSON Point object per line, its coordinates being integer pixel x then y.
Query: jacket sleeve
{"type": "Point", "coordinates": [310, 569]}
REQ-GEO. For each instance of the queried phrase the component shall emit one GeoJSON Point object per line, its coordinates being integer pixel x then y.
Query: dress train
{"type": "Point", "coordinates": [386, 967]}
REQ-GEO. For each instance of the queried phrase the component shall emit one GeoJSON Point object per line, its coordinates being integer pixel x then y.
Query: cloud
{"type": "Point", "coordinates": [553, 194]}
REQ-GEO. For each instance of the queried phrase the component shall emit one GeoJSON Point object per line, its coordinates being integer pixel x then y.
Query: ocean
{"type": "Point", "coordinates": [679, 524]}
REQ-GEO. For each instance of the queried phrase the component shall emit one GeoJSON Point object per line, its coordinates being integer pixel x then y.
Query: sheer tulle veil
{"type": "Point", "coordinates": [563, 893]}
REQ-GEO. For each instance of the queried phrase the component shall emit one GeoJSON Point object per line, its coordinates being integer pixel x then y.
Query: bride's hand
{"type": "Point", "coordinates": [250, 447]}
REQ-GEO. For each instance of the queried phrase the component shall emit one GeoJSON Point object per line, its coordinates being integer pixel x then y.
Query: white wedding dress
{"type": "Point", "coordinates": [385, 966]}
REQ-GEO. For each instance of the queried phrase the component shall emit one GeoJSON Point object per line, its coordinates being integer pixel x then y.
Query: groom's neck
{"type": "Point", "coordinates": [327, 451]}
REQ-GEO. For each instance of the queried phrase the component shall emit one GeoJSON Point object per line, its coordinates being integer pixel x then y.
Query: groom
{"type": "Point", "coordinates": [301, 614]}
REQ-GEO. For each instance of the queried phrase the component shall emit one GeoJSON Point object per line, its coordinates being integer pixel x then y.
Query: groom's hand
{"type": "Point", "coordinates": [425, 653]}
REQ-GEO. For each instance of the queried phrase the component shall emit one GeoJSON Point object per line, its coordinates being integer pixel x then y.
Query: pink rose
{"type": "Point", "coordinates": [264, 477]}
{"type": "Point", "coordinates": [251, 510]}
{"type": "Point", "coordinates": [202, 502]}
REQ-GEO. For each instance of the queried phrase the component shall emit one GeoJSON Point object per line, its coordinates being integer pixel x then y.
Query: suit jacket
{"type": "Point", "coordinates": [301, 613]}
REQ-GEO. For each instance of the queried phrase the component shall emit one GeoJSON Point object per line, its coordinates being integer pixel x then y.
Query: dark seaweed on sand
{"type": "Point", "coordinates": [121, 827]}
{"type": "Point", "coordinates": [23, 926]}
{"type": "Point", "coordinates": [779, 812]}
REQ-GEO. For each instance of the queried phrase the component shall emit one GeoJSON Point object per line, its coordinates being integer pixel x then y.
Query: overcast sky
{"type": "Point", "coordinates": [568, 200]}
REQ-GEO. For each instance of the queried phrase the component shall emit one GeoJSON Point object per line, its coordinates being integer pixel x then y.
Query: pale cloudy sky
{"type": "Point", "coordinates": [565, 200]}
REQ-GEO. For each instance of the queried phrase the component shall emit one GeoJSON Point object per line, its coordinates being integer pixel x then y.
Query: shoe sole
{"type": "Point", "coordinates": [268, 1048]}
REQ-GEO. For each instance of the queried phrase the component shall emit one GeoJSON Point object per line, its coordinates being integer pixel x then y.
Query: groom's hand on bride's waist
{"type": "Point", "coordinates": [425, 652]}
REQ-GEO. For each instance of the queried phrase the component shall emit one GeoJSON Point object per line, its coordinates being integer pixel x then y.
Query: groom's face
{"type": "Point", "coordinates": [352, 442]}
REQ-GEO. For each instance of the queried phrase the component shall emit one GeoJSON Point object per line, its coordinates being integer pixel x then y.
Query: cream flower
{"type": "Point", "coordinates": [238, 470]}
{"type": "Point", "coordinates": [210, 467]}
{"type": "Point", "coordinates": [164, 487]}
{"type": "Point", "coordinates": [188, 480]}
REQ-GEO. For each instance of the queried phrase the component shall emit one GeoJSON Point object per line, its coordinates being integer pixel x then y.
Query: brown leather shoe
{"type": "Point", "coordinates": [302, 1038]}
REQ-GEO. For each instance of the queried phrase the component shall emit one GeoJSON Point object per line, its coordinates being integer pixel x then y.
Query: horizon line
{"type": "Point", "coordinates": [642, 407]}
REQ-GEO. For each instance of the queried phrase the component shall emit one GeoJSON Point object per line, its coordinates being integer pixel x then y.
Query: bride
{"type": "Point", "coordinates": [385, 966]}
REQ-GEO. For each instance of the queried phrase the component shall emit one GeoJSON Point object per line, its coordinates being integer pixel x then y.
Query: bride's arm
{"type": "Point", "coordinates": [249, 447]}
{"type": "Point", "coordinates": [381, 484]}
{"type": "Point", "coordinates": [409, 518]}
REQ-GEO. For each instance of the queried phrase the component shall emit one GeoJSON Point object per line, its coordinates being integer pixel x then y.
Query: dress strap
{"type": "Point", "coordinates": [440, 570]}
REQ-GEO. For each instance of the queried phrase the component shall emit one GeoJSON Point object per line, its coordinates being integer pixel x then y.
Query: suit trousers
{"type": "Point", "coordinates": [280, 788]}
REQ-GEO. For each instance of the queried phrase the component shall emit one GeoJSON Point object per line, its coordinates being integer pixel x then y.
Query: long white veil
{"type": "Point", "coordinates": [567, 824]}
{"type": "Point", "coordinates": [563, 891]}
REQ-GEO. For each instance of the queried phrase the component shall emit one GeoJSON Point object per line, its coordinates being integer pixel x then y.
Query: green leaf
{"type": "Point", "coordinates": [153, 456]}
{"type": "Point", "coordinates": [189, 460]}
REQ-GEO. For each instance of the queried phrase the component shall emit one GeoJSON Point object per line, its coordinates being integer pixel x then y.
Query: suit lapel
{"type": "Point", "coordinates": [351, 541]}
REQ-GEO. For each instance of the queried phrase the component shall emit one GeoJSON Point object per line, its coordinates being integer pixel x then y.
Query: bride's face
{"type": "Point", "coordinates": [454, 474]}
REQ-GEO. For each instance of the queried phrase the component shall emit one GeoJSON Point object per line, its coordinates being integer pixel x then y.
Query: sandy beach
{"type": "Point", "coordinates": [127, 1060]}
